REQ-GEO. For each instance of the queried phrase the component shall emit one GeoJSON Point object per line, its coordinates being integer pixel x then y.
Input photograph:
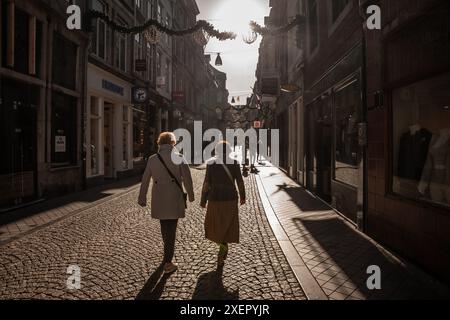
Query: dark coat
{"type": "Point", "coordinates": [218, 186]}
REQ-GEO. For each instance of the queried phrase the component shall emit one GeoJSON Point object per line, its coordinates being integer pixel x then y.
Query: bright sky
{"type": "Point", "coordinates": [239, 59]}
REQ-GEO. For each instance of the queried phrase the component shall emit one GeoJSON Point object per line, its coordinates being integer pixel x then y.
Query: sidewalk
{"type": "Point", "coordinates": [328, 255]}
{"type": "Point", "coordinates": [18, 223]}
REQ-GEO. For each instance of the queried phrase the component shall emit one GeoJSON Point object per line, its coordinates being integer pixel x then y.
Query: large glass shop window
{"type": "Point", "coordinates": [348, 115]}
{"type": "Point", "coordinates": [64, 130]}
{"type": "Point", "coordinates": [421, 123]}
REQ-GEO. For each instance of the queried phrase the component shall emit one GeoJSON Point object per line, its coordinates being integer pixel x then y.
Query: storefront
{"type": "Point", "coordinates": [334, 153]}
{"type": "Point", "coordinates": [41, 98]}
{"type": "Point", "coordinates": [409, 136]}
{"type": "Point", "coordinates": [109, 127]}
{"type": "Point", "coordinates": [144, 134]}
{"type": "Point", "coordinates": [296, 141]}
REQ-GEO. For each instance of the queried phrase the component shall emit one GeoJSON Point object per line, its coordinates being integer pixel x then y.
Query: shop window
{"type": "Point", "coordinates": [140, 125]}
{"type": "Point", "coordinates": [421, 133]}
{"type": "Point", "coordinates": [64, 130]}
{"type": "Point", "coordinates": [347, 115]}
{"type": "Point", "coordinates": [64, 62]}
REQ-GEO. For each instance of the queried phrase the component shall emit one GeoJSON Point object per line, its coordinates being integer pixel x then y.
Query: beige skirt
{"type": "Point", "coordinates": [222, 221]}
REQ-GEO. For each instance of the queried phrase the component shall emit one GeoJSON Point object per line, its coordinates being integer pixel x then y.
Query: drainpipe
{"type": "Point", "coordinates": [362, 216]}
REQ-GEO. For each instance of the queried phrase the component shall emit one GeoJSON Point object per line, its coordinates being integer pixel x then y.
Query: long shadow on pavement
{"type": "Point", "coordinates": [154, 287]}
{"type": "Point", "coordinates": [210, 287]}
{"type": "Point", "coordinates": [342, 255]}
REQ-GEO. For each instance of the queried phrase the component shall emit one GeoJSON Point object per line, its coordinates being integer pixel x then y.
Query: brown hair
{"type": "Point", "coordinates": [167, 138]}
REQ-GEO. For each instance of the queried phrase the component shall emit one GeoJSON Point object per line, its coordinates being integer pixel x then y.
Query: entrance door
{"type": "Point", "coordinates": [18, 108]}
{"type": "Point", "coordinates": [348, 178]}
{"type": "Point", "coordinates": [108, 140]}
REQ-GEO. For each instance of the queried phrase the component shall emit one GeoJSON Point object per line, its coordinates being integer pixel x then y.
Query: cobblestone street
{"type": "Point", "coordinates": [118, 248]}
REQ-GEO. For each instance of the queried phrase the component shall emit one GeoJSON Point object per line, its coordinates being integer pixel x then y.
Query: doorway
{"type": "Point", "coordinates": [318, 143]}
{"type": "Point", "coordinates": [108, 140]}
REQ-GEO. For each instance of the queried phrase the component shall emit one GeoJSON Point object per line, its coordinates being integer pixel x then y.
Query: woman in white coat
{"type": "Point", "coordinates": [168, 201]}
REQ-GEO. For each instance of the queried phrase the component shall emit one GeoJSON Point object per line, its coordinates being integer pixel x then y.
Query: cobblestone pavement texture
{"type": "Point", "coordinates": [118, 248]}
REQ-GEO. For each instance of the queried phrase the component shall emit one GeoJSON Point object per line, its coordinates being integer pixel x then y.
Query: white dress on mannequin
{"type": "Point", "coordinates": [436, 174]}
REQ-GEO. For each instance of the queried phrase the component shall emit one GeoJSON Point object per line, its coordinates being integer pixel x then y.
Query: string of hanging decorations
{"type": "Point", "coordinates": [257, 29]}
{"type": "Point", "coordinates": [200, 25]}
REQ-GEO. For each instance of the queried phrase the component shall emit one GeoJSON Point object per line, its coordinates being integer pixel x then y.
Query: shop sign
{"type": "Point", "coordinates": [112, 87]}
{"type": "Point", "coordinates": [60, 144]}
{"type": "Point", "coordinates": [140, 95]}
{"type": "Point", "coordinates": [140, 65]}
{"type": "Point", "coordinates": [257, 125]}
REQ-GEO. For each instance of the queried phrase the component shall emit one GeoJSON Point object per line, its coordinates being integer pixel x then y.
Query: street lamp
{"type": "Point", "coordinates": [219, 60]}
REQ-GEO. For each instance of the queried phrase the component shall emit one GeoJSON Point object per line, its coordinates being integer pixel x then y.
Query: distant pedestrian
{"type": "Point", "coordinates": [221, 198]}
{"type": "Point", "coordinates": [168, 201]}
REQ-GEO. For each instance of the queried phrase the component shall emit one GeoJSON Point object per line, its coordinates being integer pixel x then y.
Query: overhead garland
{"type": "Point", "coordinates": [263, 31]}
{"type": "Point", "coordinates": [200, 25]}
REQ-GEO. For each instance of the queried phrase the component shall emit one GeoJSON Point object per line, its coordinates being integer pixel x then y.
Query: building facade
{"type": "Point", "coordinates": [368, 129]}
{"type": "Point", "coordinates": [43, 90]}
{"type": "Point", "coordinates": [408, 68]}
{"type": "Point", "coordinates": [109, 112]}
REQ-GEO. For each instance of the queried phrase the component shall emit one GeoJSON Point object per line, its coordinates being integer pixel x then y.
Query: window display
{"type": "Point", "coordinates": [422, 140]}
{"type": "Point", "coordinates": [348, 106]}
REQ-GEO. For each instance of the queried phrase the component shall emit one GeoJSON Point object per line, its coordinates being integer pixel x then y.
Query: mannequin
{"type": "Point", "coordinates": [436, 174]}
{"type": "Point", "coordinates": [415, 128]}
{"type": "Point", "coordinates": [413, 150]}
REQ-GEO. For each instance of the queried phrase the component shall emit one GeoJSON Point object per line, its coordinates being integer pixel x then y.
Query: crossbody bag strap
{"type": "Point", "coordinates": [170, 173]}
{"type": "Point", "coordinates": [228, 172]}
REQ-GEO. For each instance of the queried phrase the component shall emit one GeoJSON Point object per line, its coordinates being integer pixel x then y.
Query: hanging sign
{"type": "Point", "coordinates": [140, 65]}
{"type": "Point", "coordinates": [60, 144]}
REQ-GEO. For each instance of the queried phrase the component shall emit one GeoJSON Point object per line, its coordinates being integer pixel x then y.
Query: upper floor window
{"type": "Point", "coordinates": [120, 60]}
{"type": "Point", "coordinates": [159, 13]}
{"type": "Point", "coordinates": [313, 25]}
{"type": "Point", "coordinates": [64, 62]}
{"type": "Point", "coordinates": [337, 7]}
{"type": "Point", "coordinates": [149, 10]}
{"type": "Point", "coordinates": [99, 35]}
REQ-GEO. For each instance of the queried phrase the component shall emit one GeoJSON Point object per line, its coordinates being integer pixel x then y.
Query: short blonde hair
{"type": "Point", "coordinates": [223, 148]}
{"type": "Point", "coordinates": [167, 138]}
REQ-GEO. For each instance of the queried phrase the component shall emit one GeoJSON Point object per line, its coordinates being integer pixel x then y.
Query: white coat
{"type": "Point", "coordinates": [167, 200]}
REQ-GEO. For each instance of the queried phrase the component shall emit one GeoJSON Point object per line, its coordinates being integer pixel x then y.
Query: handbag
{"type": "Point", "coordinates": [185, 196]}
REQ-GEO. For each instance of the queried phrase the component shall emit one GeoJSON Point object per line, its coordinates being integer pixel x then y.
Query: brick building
{"type": "Point", "coordinates": [408, 80]}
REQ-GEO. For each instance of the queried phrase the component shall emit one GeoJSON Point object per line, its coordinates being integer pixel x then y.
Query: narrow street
{"type": "Point", "coordinates": [293, 247]}
{"type": "Point", "coordinates": [118, 249]}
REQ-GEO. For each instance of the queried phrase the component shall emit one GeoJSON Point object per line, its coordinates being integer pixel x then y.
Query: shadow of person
{"type": "Point", "coordinates": [210, 287]}
{"type": "Point", "coordinates": [154, 287]}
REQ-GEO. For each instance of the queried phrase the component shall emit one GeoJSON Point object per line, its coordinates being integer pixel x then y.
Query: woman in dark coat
{"type": "Point", "coordinates": [219, 194]}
